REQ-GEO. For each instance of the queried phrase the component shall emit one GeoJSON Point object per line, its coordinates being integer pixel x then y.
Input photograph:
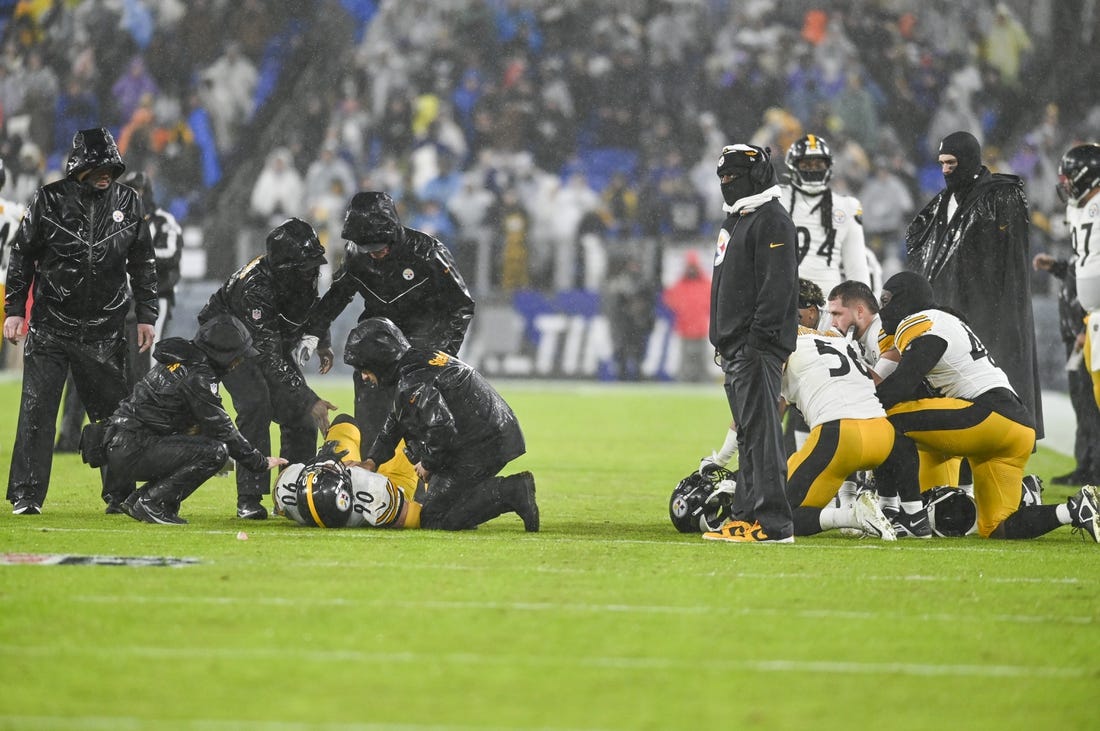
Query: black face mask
{"type": "Point", "coordinates": [740, 187]}
{"type": "Point", "coordinates": [968, 152]}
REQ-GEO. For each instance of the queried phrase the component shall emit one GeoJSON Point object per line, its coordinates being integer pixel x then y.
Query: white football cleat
{"type": "Point", "coordinates": [870, 519]}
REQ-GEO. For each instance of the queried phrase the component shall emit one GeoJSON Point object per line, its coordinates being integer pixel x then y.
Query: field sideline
{"type": "Point", "coordinates": [606, 620]}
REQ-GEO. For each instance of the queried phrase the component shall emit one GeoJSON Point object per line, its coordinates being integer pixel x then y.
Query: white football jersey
{"type": "Point", "coordinates": [827, 380]}
{"type": "Point", "coordinates": [869, 343]}
{"type": "Point", "coordinates": [825, 258]}
{"type": "Point", "coordinates": [965, 370]}
{"type": "Point", "coordinates": [375, 501]}
{"type": "Point", "coordinates": [10, 216]}
{"type": "Point", "coordinates": [1084, 227]}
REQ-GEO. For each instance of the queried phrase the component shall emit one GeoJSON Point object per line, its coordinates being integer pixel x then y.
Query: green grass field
{"type": "Point", "coordinates": [607, 619]}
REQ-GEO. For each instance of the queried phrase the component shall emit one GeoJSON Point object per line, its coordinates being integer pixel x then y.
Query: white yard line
{"type": "Point", "coordinates": [692, 664]}
{"type": "Point", "coordinates": [583, 608]}
{"type": "Point", "coordinates": [130, 723]}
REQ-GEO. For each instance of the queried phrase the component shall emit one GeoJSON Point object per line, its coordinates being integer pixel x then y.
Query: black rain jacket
{"type": "Point", "coordinates": [250, 294]}
{"type": "Point", "coordinates": [416, 285]}
{"type": "Point", "coordinates": [84, 250]}
{"type": "Point", "coordinates": [979, 263]}
{"type": "Point", "coordinates": [179, 395]}
{"type": "Point", "coordinates": [445, 410]}
{"type": "Point", "coordinates": [754, 287]}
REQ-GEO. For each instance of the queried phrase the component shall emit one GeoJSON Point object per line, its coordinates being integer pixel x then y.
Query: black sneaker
{"type": "Point", "coordinates": [26, 506]}
{"type": "Point", "coordinates": [116, 506]}
{"type": "Point", "coordinates": [1084, 512]}
{"type": "Point", "coordinates": [250, 508]}
{"type": "Point", "coordinates": [151, 512]}
{"type": "Point", "coordinates": [912, 525]}
{"type": "Point", "coordinates": [128, 503]}
{"type": "Point", "coordinates": [523, 501]}
{"type": "Point", "coordinates": [1031, 491]}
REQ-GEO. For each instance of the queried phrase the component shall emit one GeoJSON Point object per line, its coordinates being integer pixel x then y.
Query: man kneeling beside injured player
{"type": "Point", "coordinates": [458, 431]}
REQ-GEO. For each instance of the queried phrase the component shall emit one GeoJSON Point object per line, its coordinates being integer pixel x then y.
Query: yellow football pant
{"type": "Point", "coordinates": [1088, 361]}
{"type": "Point", "coordinates": [938, 470]}
{"type": "Point", "coordinates": [833, 451]}
{"type": "Point", "coordinates": [997, 447]}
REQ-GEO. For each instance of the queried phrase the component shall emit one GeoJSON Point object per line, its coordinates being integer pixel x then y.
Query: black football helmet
{"type": "Point", "coordinates": [951, 512]}
{"type": "Point", "coordinates": [325, 494]}
{"type": "Point", "coordinates": [702, 501]}
{"type": "Point", "coordinates": [810, 147]}
{"type": "Point", "coordinates": [1078, 172]}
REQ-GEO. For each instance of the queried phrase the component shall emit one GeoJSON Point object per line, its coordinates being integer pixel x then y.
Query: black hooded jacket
{"type": "Point", "coordinates": [979, 263]}
{"type": "Point", "coordinates": [416, 285]}
{"type": "Point", "coordinates": [251, 295]}
{"type": "Point", "coordinates": [84, 250]}
{"type": "Point", "coordinates": [754, 286]}
{"type": "Point", "coordinates": [180, 396]}
{"type": "Point", "coordinates": [445, 410]}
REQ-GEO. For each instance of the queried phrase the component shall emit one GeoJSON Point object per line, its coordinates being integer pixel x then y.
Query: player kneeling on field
{"type": "Point", "coordinates": [458, 431]}
{"type": "Point", "coordinates": [979, 416]}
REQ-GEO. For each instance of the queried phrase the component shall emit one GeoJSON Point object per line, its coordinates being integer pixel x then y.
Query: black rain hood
{"type": "Point", "coordinates": [224, 339]}
{"type": "Point", "coordinates": [968, 151]}
{"type": "Point", "coordinates": [178, 350]}
{"type": "Point", "coordinates": [371, 222]}
{"type": "Point", "coordinates": [909, 292]}
{"type": "Point", "coordinates": [377, 345]}
{"type": "Point", "coordinates": [93, 148]}
{"type": "Point", "coordinates": [293, 245]}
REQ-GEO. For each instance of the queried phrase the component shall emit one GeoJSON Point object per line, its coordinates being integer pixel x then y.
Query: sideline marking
{"type": "Point", "coordinates": [75, 559]}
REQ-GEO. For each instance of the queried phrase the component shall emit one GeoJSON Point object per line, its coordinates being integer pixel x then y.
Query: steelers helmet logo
{"type": "Point", "coordinates": [679, 507]}
{"type": "Point", "coordinates": [117, 216]}
{"type": "Point", "coordinates": [1094, 209]}
{"type": "Point", "coordinates": [839, 217]}
{"type": "Point", "coordinates": [408, 274]}
{"type": "Point", "coordinates": [343, 501]}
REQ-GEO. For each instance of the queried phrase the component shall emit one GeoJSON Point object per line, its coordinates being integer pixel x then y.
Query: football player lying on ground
{"type": "Point", "coordinates": [333, 491]}
{"type": "Point", "coordinates": [458, 431]}
{"type": "Point", "coordinates": [978, 417]}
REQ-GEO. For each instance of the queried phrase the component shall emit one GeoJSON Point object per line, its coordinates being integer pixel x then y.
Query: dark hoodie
{"type": "Point", "coordinates": [180, 396]}
{"type": "Point", "coordinates": [416, 285]}
{"type": "Point", "coordinates": [84, 250]}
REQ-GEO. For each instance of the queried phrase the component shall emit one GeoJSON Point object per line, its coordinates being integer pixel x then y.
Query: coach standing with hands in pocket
{"type": "Point", "coordinates": [754, 327]}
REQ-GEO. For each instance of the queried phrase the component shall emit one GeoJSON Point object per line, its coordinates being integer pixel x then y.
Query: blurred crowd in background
{"type": "Point", "coordinates": [547, 142]}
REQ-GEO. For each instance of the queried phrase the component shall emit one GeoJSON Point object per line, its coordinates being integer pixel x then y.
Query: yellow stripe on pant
{"type": "Point", "coordinates": [997, 447]}
{"type": "Point", "coordinates": [833, 451]}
